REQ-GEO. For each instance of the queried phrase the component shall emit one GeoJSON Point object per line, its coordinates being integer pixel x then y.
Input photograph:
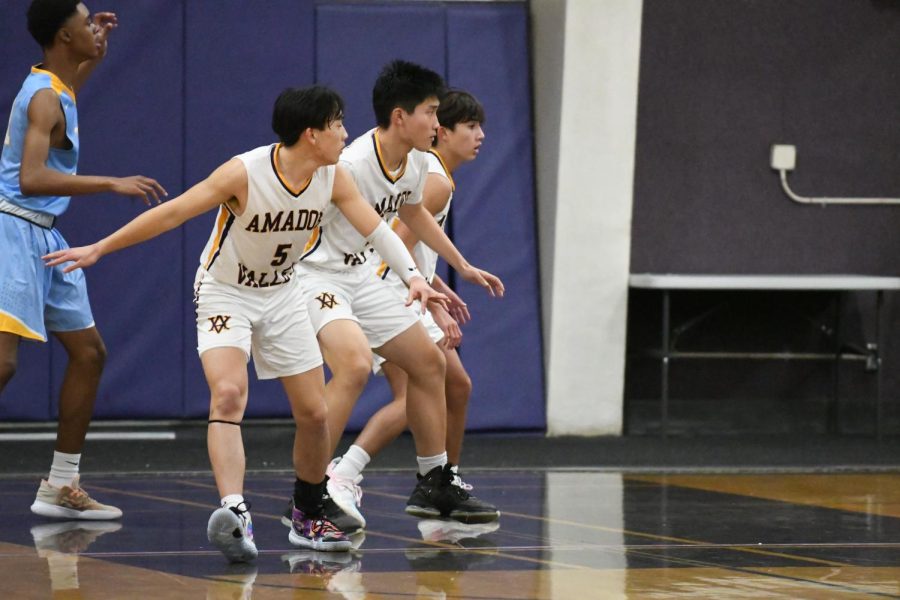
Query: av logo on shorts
{"type": "Point", "coordinates": [218, 323]}
{"type": "Point", "coordinates": [326, 300]}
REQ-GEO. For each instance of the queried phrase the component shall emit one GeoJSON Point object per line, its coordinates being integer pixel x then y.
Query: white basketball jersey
{"type": "Point", "coordinates": [426, 258]}
{"type": "Point", "coordinates": [339, 246]}
{"type": "Point", "coordinates": [259, 248]}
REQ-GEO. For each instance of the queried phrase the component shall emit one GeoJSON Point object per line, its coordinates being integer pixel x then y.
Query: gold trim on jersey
{"type": "Point", "coordinates": [311, 242]}
{"type": "Point", "coordinates": [281, 178]}
{"type": "Point", "coordinates": [55, 82]}
{"type": "Point", "coordinates": [224, 216]}
{"type": "Point", "coordinates": [444, 166]}
{"type": "Point", "coordinates": [10, 324]}
{"type": "Point", "coordinates": [383, 268]}
{"type": "Point", "coordinates": [384, 168]}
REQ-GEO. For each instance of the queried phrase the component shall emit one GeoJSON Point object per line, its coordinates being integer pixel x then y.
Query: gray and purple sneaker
{"type": "Point", "coordinates": [317, 533]}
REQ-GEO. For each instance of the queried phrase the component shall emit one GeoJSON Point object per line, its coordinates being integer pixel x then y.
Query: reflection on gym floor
{"type": "Point", "coordinates": [563, 534]}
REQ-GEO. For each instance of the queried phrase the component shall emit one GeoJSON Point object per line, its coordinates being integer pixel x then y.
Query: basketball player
{"type": "Point", "coordinates": [458, 140]}
{"type": "Point", "coordinates": [270, 201]}
{"type": "Point", "coordinates": [37, 179]}
{"type": "Point", "coordinates": [353, 310]}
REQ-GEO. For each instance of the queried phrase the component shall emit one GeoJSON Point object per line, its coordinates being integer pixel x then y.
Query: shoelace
{"type": "Point", "coordinates": [324, 528]}
{"type": "Point", "coordinates": [242, 510]}
{"type": "Point", "coordinates": [458, 482]}
{"type": "Point", "coordinates": [350, 486]}
{"type": "Point", "coordinates": [77, 497]}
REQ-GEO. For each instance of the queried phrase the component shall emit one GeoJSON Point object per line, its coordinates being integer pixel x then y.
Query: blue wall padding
{"type": "Point", "coordinates": [368, 38]}
{"type": "Point", "coordinates": [233, 79]}
{"type": "Point", "coordinates": [186, 86]}
{"type": "Point", "coordinates": [493, 217]}
{"type": "Point", "coordinates": [420, 40]}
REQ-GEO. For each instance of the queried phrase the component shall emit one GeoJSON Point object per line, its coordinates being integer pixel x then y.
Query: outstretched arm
{"type": "Point", "coordinates": [422, 223]}
{"type": "Point", "coordinates": [36, 179]}
{"type": "Point", "coordinates": [366, 221]}
{"type": "Point", "coordinates": [227, 184]}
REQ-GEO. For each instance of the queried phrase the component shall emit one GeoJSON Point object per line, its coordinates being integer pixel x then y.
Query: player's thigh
{"type": "Point", "coordinates": [82, 344]}
{"type": "Point", "coordinates": [24, 280]}
{"type": "Point", "coordinates": [9, 351]}
{"type": "Point", "coordinates": [381, 311]}
{"type": "Point", "coordinates": [344, 346]}
{"type": "Point", "coordinates": [283, 340]}
{"type": "Point", "coordinates": [225, 369]}
{"type": "Point", "coordinates": [306, 393]}
{"type": "Point", "coordinates": [328, 296]}
{"type": "Point", "coordinates": [413, 350]}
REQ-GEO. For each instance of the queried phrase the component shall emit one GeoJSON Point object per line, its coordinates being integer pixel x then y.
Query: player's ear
{"type": "Point", "coordinates": [397, 115]}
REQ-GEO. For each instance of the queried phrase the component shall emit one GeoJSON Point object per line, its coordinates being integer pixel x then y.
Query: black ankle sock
{"type": "Point", "coordinates": [308, 497]}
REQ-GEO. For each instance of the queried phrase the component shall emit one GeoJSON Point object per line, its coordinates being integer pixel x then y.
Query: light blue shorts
{"type": "Point", "coordinates": [35, 299]}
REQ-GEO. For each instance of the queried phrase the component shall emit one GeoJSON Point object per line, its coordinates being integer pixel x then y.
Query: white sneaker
{"type": "Point", "coordinates": [346, 493]}
{"type": "Point", "coordinates": [446, 530]}
{"type": "Point", "coordinates": [231, 531]}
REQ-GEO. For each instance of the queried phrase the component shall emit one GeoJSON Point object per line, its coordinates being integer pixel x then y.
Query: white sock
{"type": "Point", "coordinates": [352, 463]}
{"type": "Point", "coordinates": [64, 469]}
{"type": "Point", "coordinates": [232, 500]}
{"type": "Point", "coordinates": [427, 463]}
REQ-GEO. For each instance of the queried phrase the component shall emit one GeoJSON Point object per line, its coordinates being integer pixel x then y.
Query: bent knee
{"type": "Point", "coordinates": [352, 369]}
{"type": "Point", "coordinates": [430, 362]}
{"type": "Point", "coordinates": [93, 354]}
{"type": "Point", "coordinates": [227, 402]}
{"type": "Point", "coordinates": [459, 386]}
{"type": "Point", "coordinates": [316, 416]}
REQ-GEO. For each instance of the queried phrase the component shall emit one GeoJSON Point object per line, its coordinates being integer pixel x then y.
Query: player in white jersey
{"type": "Point", "coordinates": [270, 200]}
{"type": "Point", "coordinates": [458, 140]}
{"type": "Point", "coordinates": [354, 311]}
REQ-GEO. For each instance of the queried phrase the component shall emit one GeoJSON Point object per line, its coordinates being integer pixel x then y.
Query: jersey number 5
{"type": "Point", "coordinates": [280, 255]}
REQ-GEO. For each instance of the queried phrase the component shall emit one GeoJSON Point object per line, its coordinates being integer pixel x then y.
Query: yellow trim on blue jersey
{"type": "Point", "coordinates": [55, 82]}
{"type": "Point", "coordinates": [281, 178]}
{"type": "Point", "coordinates": [384, 168]}
{"type": "Point", "coordinates": [10, 324]}
{"type": "Point", "coordinates": [444, 166]}
{"type": "Point", "coordinates": [220, 226]}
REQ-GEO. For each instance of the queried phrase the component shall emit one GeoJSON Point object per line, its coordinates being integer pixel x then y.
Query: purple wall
{"type": "Point", "coordinates": [188, 85]}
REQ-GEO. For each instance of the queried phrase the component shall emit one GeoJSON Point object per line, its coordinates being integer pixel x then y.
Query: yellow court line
{"type": "Point", "coordinates": [653, 536]}
{"type": "Point", "coordinates": [402, 538]}
{"type": "Point", "coordinates": [871, 494]}
{"type": "Point", "coordinates": [692, 542]}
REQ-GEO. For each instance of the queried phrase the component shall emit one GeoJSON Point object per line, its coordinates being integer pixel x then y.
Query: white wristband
{"type": "Point", "coordinates": [392, 251]}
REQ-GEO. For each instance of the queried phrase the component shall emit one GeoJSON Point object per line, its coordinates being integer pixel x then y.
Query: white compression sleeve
{"type": "Point", "coordinates": [392, 251]}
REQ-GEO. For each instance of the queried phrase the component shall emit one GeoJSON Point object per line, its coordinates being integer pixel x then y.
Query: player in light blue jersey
{"type": "Point", "coordinates": [38, 168]}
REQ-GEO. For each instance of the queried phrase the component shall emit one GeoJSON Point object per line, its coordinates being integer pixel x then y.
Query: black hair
{"type": "Point", "coordinates": [297, 109]}
{"type": "Point", "coordinates": [403, 84]}
{"type": "Point", "coordinates": [46, 17]}
{"type": "Point", "coordinates": [458, 106]}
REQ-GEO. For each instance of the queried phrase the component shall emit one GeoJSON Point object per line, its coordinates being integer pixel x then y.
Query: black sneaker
{"type": "Point", "coordinates": [435, 496]}
{"type": "Point", "coordinates": [333, 513]}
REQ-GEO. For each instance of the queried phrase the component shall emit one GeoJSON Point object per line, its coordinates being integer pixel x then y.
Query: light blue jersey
{"type": "Point", "coordinates": [35, 299]}
{"type": "Point", "coordinates": [64, 161]}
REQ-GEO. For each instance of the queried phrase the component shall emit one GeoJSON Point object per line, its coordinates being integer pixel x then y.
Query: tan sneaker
{"type": "Point", "coordinates": [71, 502]}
